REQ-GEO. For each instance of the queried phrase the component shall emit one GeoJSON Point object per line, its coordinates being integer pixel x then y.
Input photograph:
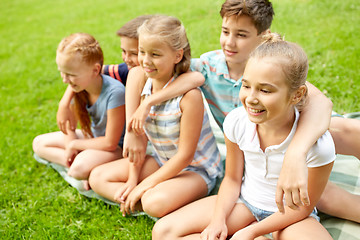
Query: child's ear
{"type": "Point", "coordinates": [299, 94]}
{"type": "Point", "coordinates": [179, 55]}
{"type": "Point", "coordinates": [97, 68]}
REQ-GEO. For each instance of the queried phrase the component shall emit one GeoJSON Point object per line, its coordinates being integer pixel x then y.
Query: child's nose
{"type": "Point", "coordinates": [65, 78]}
{"type": "Point", "coordinates": [146, 59]}
{"type": "Point", "coordinates": [252, 98]}
{"type": "Point", "coordinates": [125, 57]}
{"type": "Point", "coordinates": [230, 40]}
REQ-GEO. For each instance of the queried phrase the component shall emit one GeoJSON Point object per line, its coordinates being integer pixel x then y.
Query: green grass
{"type": "Point", "coordinates": [36, 203]}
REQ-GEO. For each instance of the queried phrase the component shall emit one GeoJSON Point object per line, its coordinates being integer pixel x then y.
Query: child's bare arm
{"type": "Point", "coordinates": [114, 128]}
{"type": "Point", "coordinates": [123, 192]}
{"type": "Point", "coordinates": [228, 194]}
{"type": "Point", "coordinates": [134, 146]}
{"type": "Point", "coordinates": [181, 85]}
{"type": "Point", "coordinates": [64, 113]}
{"type": "Point", "coordinates": [318, 177]}
{"type": "Point", "coordinates": [313, 122]}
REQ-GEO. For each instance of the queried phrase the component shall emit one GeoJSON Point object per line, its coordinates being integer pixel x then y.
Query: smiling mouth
{"type": "Point", "coordinates": [255, 111]}
{"type": "Point", "coordinates": [148, 70]}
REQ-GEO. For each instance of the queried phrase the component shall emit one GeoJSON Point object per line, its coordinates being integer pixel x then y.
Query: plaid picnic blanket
{"type": "Point", "coordinates": [345, 173]}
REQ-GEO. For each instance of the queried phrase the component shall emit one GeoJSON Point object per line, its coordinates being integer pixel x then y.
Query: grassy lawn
{"type": "Point", "coordinates": [35, 202]}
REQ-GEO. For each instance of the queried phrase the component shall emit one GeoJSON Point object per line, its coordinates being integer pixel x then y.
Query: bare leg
{"type": "Point", "coordinates": [50, 146]}
{"type": "Point", "coordinates": [88, 159]}
{"type": "Point", "coordinates": [333, 200]}
{"type": "Point", "coordinates": [346, 135]}
{"type": "Point", "coordinates": [306, 229]}
{"type": "Point", "coordinates": [189, 221]}
{"type": "Point", "coordinates": [174, 193]}
{"type": "Point", "coordinates": [107, 178]}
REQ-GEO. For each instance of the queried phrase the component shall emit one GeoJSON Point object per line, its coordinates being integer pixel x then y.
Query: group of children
{"type": "Point", "coordinates": [275, 124]}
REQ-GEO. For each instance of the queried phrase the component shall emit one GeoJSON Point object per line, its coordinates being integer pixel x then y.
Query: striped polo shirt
{"type": "Point", "coordinates": [221, 92]}
{"type": "Point", "coordinates": [162, 127]}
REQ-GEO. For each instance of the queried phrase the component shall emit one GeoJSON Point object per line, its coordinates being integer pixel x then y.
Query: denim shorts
{"type": "Point", "coordinates": [210, 182]}
{"type": "Point", "coordinates": [260, 214]}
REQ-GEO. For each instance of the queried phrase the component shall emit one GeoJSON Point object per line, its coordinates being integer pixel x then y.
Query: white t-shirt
{"type": "Point", "coordinates": [262, 169]}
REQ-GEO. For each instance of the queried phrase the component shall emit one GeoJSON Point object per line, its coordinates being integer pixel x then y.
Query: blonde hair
{"type": "Point", "coordinates": [89, 49]}
{"type": "Point", "coordinates": [289, 56]}
{"type": "Point", "coordinates": [170, 30]}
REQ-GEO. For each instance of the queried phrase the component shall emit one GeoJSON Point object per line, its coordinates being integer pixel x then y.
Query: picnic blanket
{"type": "Point", "coordinates": [345, 173]}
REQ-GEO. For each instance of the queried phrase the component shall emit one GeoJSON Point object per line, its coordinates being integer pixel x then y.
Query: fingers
{"type": "Point", "coordinates": [73, 123]}
{"type": "Point", "coordinates": [118, 195]}
{"type": "Point", "coordinates": [223, 236]}
{"type": "Point", "coordinates": [129, 126]}
{"type": "Point", "coordinates": [293, 198]}
{"type": "Point", "coordinates": [296, 202]}
{"type": "Point", "coordinates": [279, 199]}
{"type": "Point", "coordinates": [62, 126]}
{"type": "Point", "coordinates": [125, 194]}
{"type": "Point", "coordinates": [122, 209]}
{"type": "Point", "coordinates": [136, 157]}
{"type": "Point", "coordinates": [137, 127]}
{"type": "Point", "coordinates": [125, 152]}
{"type": "Point", "coordinates": [304, 196]}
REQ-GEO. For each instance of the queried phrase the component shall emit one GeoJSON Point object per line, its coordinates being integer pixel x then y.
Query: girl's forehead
{"type": "Point", "coordinates": [267, 68]}
{"type": "Point", "coordinates": [153, 41]}
{"type": "Point", "coordinates": [70, 61]}
{"type": "Point", "coordinates": [68, 56]}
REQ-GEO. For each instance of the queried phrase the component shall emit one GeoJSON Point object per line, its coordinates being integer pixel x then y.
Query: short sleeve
{"type": "Point", "coordinates": [117, 97]}
{"type": "Point", "coordinates": [198, 65]}
{"type": "Point", "coordinates": [235, 125]}
{"type": "Point", "coordinates": [322, 152]}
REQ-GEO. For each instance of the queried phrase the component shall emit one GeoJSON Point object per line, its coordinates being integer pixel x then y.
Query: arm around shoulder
{"type": "Point", "coordinates": [313, 122]}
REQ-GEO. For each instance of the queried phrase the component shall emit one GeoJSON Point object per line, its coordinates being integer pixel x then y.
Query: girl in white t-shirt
{"type": "Point", "coordinates": [257, 136]}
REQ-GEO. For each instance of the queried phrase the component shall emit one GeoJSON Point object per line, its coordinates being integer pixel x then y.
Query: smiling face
{"type": "Point", "coordinates": [129, 51]}
{"type": "Point", "coordinates": [157, 58]}
{"type": "Point", "coordinates": [265, 93]}
{"type": "Point", "coordinates": [75, 72]}
{"type": "Point", "coordinates": [238, 39]}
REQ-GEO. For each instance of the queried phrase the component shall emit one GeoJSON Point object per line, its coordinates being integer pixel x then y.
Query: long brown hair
{"type": "Point", "coordinates": [91, 53]}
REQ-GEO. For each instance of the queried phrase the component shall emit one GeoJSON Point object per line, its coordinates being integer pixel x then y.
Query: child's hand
{"type": "Point", "coordinates": [122, 193]}
{"type": "Point", "coordinates": [137, 120]}
{"type": "Point", "coordinates": [64, 115]}
{"type": "Point", "coordinates": [134, 197]}
{"type": "Point", "coordinates": [214, 231]}
{"type": "Point", "coordinates": [134, 148]}
{"type": "Point", "coordinates": [70, 154]}
{"type": "Point", "coordinates": [292, 183]}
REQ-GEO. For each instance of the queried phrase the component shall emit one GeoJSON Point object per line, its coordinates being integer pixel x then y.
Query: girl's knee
{"type": "Point", "coordinates": [96, 176]}
{"type": "Point", "coordinates": [79, 171]}
{"type": "Point", "coordinates": [161, 230]}
{"type": "Point", "coordinates": [37, 144]}
{"type": "Point", "coordinates": [155, 203]}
